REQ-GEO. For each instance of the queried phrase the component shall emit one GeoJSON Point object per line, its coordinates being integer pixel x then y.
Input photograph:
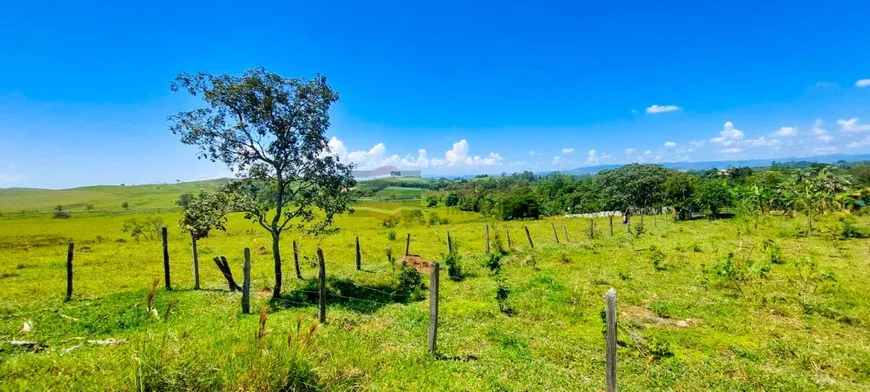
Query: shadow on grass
{"type": "Point", "coordinates": [346, 294]}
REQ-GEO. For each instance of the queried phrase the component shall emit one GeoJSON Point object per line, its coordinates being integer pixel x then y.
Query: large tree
{"type": "Point", "coordinates": [270, 131]}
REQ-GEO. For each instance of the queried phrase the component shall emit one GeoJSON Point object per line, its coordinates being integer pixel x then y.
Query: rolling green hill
{"type": "Point", "coordinates": [102, 197]}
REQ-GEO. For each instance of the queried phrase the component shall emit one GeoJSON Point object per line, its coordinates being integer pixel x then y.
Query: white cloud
{"type": "Point", "coordinates": [786, 131]}
{"type": "Point", "coordinates": [377, 156]}
{"type": "Point", "coordinates": [662, 109]}
{"type": "Point", "coordinates": [697, 143]}
{"type": "Point", "coordinates": [728, 135]}
{"type": "Point", "coordinates": [863, 83]}
{"type": "Point", "coordinates": [557, 160]}
{"type": "Point", "coordinates": [732, 150]}
{"type": "Point", "coordinates": [592, 158]}
{"type": "Point", "coordinates": [851, 126]}
{"type": "Point", "coordinates": [825, 138]}
{"type": "Point", "coordinates": [819, 128]}
{"type": "Point", "coordinates": [860, 143]}
{"type": "Point", "coordinates": [824, 150]}
{"type": "Point", "coordinates": [647, 152]}
{"type": "Point", "coordinates": [532, 153]}
{"type": "Point", "coordinates": [567, 150]}
{"type": "Point", "coordinates": [762, 142]}
{"type": "Point", "coordinates": [629, 151]}
{"type": "Point", "coordinates": [670, 144]}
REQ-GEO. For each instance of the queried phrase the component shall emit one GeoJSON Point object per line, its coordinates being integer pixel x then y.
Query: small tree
{"type": "Point", "coordinates": [184, 199]}
{"type": "Point", "coordinates": [204, 212]}
{"type": "Point", "coordinates": [60, 213]}
{"type": "Point", "coordinates": [814, 191]}
{"type": "Point", "coordinates": [270, 131]}
{"type": "Point", "coordinates": [125, 205]}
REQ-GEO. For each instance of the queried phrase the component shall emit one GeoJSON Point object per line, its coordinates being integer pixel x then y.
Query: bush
{"type": "Point", "coordinates": [412, 217]}
{"type": "Point", "coordinates": [391, 235]}
{"type": "Point", "coordinates": [454, 268]}
{"type": "Point", "coordinates": [390, 222]}
{"type": "Point", "coordinates": [452, 200]}
{"type": "Point", "coordinates": [59, 213]}
{"type": "Point", "coordinates": [125, 205]}
{"type": "Point", "coordinates": [432, 201]}
{"type": "Point", "coordinates": [493, 262]}
{"type": "Point", "coordinates": [657, 257]}
{"type": "Point", "coordinates": [773, 251]}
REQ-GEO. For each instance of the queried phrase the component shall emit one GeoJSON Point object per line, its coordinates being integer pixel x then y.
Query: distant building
{"type": "Point", "coordinates": [384, 172]}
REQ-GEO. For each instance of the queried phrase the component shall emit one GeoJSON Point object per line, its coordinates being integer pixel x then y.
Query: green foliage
{"type": "Point", "coordinates": [657, 256]}
{"type": "Point", "coordinates": [808, 279]}
{"type": "Point", "coordinates": [60, 213]}
{"type": "Point", "coordinates": [433, 219]}
{"type": "Point", "coordinates": [413, 217]}
{"type": "Point", "coordinates": [391, 235]}
{"type": "Point", "coordinates": [453, 260]}
{"type": "Point", "coordinates": [432, 201]}
{"type": "Point", "coordinates": [493, 262]}
{"type": "Point", "coordinates": [148, 229]}
{"type": "Point", "coordinates": [745, 276]}
{"type": "Point", "coordinates": [773, 251]}
{"type": "Point", "coordinates": [125, 205]}
{"type": "Point", "coordinates": [410, 282]}
{"type": "Point", "coordinates": [639, 228]}
{"type": "Point", "coordinates": [204, 212]}
{"type": "Point", "coordinates": [452, 199]}
{"type": "Point", "coordinates": [184, 200]}
{"type": "Point", "coordinates": [390, 221]}
{"type": "Point", "coordinates": [714, 195]}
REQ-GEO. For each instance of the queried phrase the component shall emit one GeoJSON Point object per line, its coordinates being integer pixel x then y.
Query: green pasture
{"type": "Point", "coordinates": [682, 325]}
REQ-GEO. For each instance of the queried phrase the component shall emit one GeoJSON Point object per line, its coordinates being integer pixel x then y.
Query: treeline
{"type": "Point", "coordinates": [636, 188]}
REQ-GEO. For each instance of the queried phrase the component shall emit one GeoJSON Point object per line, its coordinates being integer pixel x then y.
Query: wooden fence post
{"type": "Point", "coordinates": [358, 256]}
{"type": "Point", "coordinates": [69, 271]}
{"type": "Point", "coordinates": [449, 244]}
{"type": "Point", "coordinates": [246, 283]}
{"type": "Point", "coordinates": [195, 262]}
{"type": "Point", "coordinates": [565, 231]}
{"type": "Point", "coordinates": [322, 278]}
{"type": "Point", "coordinates": [591, 228]}
{"type": "Point", "coordinates": [510, 246]}
{"type": "Point", "coordinates": [166, 259]}
{"type": "Point", "coordinates": [487, 238]}
{"type": "Point", "coordinates": [433, 308]}
{"type": "Point", "coordinates": [610, 356]}
{"type": "Point", "coordinates": [296, 260]}
{"type": "Point", "coordinates": [529, 236]}
{"type": "Point", "coordinates": [408, 245]}
{"type": "Point", "coordinates": [611, 225]}
{"type": "Point", "coordinates": [554, 232]}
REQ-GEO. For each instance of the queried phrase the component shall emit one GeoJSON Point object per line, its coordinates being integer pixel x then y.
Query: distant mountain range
{"type": "Point", "coordinates": [703, 165]}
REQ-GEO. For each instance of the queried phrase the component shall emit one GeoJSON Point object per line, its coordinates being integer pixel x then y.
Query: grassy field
{"type": "Point", "coordinates": [684, 324]}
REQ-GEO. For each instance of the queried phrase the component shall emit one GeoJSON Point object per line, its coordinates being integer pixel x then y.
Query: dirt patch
{"type": "Point", "coordinates": [266, 292]}
{"type": "Point", "coordinates": [262, 250]}
{"type": "Point", "coordinates": [643, 316]}
{"type": "Point", "coordinates": [419, 263]}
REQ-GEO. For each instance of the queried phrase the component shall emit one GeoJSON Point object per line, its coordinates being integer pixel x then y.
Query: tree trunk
{"type": "Point", "coordinates": [276, 254]}
{"type": "Point", "coordinates": [810, 222]}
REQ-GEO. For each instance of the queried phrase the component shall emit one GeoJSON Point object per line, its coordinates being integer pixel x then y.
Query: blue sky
{"type": "Point", "coordinates": [448, 87]}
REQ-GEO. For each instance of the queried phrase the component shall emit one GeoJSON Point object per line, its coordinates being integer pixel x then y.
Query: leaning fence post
{"type": "Point", "coordinates": [166, 259]}
{"type": "Point", "coordinates": [554, 232]}
{"type": "Point", "coordinates": [69, 271]}
{"type": "Point", "coordinates": [610, 355]}
{"type": "Point", "coordinates": [246, 283]}
{"type": "Point", "coordinates": [565, 231]}
{"type": "Point", "coordinates": [529, 236]}
{"type": "Point", "coordinates": [358, 257]}
{"type": "Point", "coordinates": [486, 227]}
{"type": "Point", "coordinates": [449, 244]}
{"type": "Point", "coordinates": [322, 278]}
{"type": "Point", "coordinates": [296, 260]}
{"type": "Point", "coordinates": [195, 262]}
{"type": "Point", "coordinates": [408, 244]}
{"type": "Point", "coordinates": [433, 308]}
{"type": "Point", "coordinates": [510, 246]}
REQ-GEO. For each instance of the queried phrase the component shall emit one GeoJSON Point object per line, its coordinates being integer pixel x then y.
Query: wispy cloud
{"type": "Point", "coordinates": [851, 126]}
{"type": "Point", "coordinates": [732, 150]}
{"type": "Point", "coordinates": [662, 109]}
{"type": "Point", "coordinates": [629, 151]}
{"type": "Point", "coordinates": [863, 83]}
{"type": "Point", "coordinates": [592, 158]}
{"type": "Point", "coordinates": [670, 144]}
{"type": "Point", "coordinates": [567, 150]}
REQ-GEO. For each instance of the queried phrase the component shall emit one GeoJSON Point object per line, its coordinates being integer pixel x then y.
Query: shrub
{"type": "Point", "coordinates": [639, 229]}
{"type": "Point", "coordinates": [125, 205]}
{"type": "Point", "coordinates": [390, 222]}
{"type": "Point", "coordinates": [412, 217]}
{"type": "Point", "coordinates": [499, 245]}
{"type": "Point", "coordinates": [451, 200]}
{"type": "Point", "coordinates": [808, 279]}
{"type": "Point", "coordinates": [657, 257]}
{"type": "Point", "coordinates": [410, 282]}
{"type": "Point", "coordinates": [432, 201]}
{"type": "Point", "coordinates": [391, 235]}
{"type": "Point", "coordinates": [454, 268]}
{"type": "Point", "coordinates": [773, 251]}
{"type": "Point", "coordinates": [493, 262]}
{"type": "Point", "coordinates": [89, 207]}
{"type": "Point", "coordinates": [743, 275]}
{"type": "Point", "coordinates": [59, 213]}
